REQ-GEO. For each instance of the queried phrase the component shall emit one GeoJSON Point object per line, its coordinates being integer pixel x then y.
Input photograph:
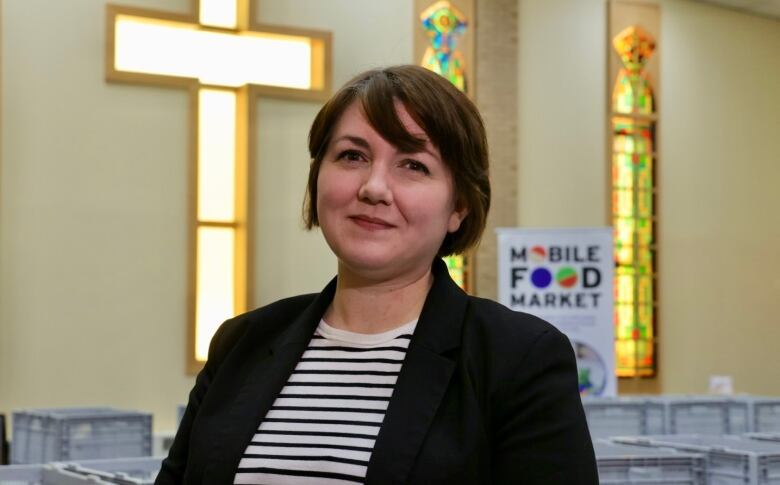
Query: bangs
{"type": "Point", "coordinates": [378, 97]}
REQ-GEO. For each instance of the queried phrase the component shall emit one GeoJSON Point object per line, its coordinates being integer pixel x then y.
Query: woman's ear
{"type": "Point", "coordinates": [456, 218]}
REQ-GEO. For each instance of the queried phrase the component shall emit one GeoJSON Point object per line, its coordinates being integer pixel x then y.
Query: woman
{"type": "Point", "coordinates": [391, 374]}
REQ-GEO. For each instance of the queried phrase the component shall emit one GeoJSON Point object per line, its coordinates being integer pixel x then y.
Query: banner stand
{"type": "Point", "coordinates": [566, 276]}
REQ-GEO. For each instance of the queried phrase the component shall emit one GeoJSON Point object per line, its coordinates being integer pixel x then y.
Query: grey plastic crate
{"type": "Point", "coordinates": [774, 437]}
{"type": "Point", "coordinates": [623, 416]}
{"type": "Point", "coordinates": [21, 474]}
{"type": "Point", "coordinates": [126, 471]}
{"type": "Point", "coordinates": [705, 415]}
{"type": "Point", "coordinates": [764, 414]}
{"type": "Point", "coordinates": [625, 464]}
{"type": "Point", "coordinates": [46, 435]}
{"type": "Point", "coordinates": [730, 459]}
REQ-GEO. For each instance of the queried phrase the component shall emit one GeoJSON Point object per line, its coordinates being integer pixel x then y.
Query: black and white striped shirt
{"type": "Point", "coordinates": [322, 427]}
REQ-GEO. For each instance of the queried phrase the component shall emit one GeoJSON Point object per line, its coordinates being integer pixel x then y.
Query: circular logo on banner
{"type": "Point", "coordinates": [541, 277]}
{"type": "Point", "coordinates": [591, 371]}
{"type": "Point", "coordinates": [538, 254]}
{"type": "Point", "coordinates": [566, 277]}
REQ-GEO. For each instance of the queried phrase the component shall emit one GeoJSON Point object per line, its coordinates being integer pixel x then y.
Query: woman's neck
{"type": "Point", "coordinates": [365, 306]}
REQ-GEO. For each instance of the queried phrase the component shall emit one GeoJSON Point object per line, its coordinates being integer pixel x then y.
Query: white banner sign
{"type": "Point", "coordinates": [565, 276]}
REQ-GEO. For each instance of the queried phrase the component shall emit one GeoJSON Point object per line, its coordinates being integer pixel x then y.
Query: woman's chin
{"type": "Point", "coordinates": [368, 264]}
{"type": "Point", "coordinates": [378, 267]}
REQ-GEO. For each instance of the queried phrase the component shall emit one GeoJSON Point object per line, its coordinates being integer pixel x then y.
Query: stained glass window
{"type": "Point", "coordinates": [443, 23]}
{"type": "Point", "coordinates": [457, 270]}
{"type": "Point", "coordinates": [633, 207]}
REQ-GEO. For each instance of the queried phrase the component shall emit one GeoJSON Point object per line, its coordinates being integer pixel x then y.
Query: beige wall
{"type": "Point", "coordinates": [718, 170]}
{"type": "Point", "coordinates": [93, 202]}
{"type": "Point", "coordinates": [562, 132]}
{"type": "Point", "coordinates": [718, 176]}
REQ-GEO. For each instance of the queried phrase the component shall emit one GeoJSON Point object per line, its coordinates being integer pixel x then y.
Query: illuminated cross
{"type": "Point", "coordinates": [225, 62]}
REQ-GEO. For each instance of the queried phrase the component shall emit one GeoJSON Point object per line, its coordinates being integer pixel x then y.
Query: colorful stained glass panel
{"type": "Point", "coordinates": [644, 231]}
{"type": "Point", "coordinates": [640, 268]}
{"type": "Point", "coordinates": [634, 357]}
{"type": "Point", "coordinates": [624, 255]}
{"type": "Point", "coordinates": [626, 174]}
{"type": "Point", "coordinates": [633, 204]}
{"type": "Point", "coordinates": [632, 94]}
{"type": "Point", "coordinates": [626, 143]}
{"type": "Point", "coordinates": [443, 23]}
{"type": "Point", "coordinates": [634, 46]}
{"type": "Point", "coordinates": [456, 267]}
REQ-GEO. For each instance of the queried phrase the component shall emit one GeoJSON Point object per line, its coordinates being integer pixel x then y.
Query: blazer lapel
{"type": "Point", "coordinates": [270, 365]}
{"type": "Point", "coordinates": [424, 379]}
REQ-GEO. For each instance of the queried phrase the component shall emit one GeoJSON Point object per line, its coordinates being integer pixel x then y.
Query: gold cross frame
{"type": "Point", "coordinates": [225, 61]}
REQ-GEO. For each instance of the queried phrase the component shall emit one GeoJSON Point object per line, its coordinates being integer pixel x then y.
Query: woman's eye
{"type": "Point", "coordinates": [417, 166]}
{"type": "Point", "coordinates": [350, 156]}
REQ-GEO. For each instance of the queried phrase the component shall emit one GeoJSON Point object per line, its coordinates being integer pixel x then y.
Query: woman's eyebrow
{"type": "Point", "coordinates": [425, 149]}
{"type": "Point", "coordinates": [361, 142]}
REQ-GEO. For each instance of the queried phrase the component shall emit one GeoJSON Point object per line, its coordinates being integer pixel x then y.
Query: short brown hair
{"type": "Point", "coordinates": [450, 120]}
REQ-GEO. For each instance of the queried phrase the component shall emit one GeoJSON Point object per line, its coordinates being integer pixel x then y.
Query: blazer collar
{"type": "Point", "coordinates": [438, 328]}
{"type": "Point", "coordinates": [301, 330]}
{"type": "Point", "coordinates": [269, 365]}
{"type": "Point", "coordinates": [422, 383]}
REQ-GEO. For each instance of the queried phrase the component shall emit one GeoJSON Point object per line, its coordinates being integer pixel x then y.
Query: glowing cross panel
{"type": "Point", "coordinates": [180, 49]}
{"type": "Point", "coordinates": [219, 56]}
{"type": "Point", "coordinates": [634, 46]}
{"type": "Point", "coordinates": [219, 13]}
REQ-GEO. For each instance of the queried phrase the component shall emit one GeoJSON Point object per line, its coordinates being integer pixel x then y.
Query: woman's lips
{"type": "Point", "coordinates": [371, 223]}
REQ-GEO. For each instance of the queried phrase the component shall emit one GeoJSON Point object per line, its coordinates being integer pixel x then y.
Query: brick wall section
{"type": "Point", "coordinates": [496, 96]}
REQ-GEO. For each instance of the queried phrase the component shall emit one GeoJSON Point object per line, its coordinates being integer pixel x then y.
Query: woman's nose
{"type": "Point", "coordinates": [375, 188]}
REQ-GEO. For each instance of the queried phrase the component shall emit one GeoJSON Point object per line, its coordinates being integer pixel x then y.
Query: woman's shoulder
{"type": "Point", "coordinates": [271, 318]}
{"type": "Point", "coordinates": [504, 340]}
{"type": "Point", "coordinates": [495, 319]}
{"type": "Point", "coordinates": [280, 308]}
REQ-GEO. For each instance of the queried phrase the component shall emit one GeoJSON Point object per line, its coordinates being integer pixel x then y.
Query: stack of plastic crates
{"type": "Point", "coordinates": [21, 474]}
{"type": "Point", "coordinates": [46, 435]}
{"type": "Point", "coordinates": [764, 414]}
{"type": "Point", "coordinates": [708, 415]}
{"type": "Point", "coordinates": [125, 471]}
{"type": "Point", "coordinates": [624, 464]}
{"type": "Point", "coordinates": [623, 416]}
{"type": "Point", "coordinates": [730, 459]}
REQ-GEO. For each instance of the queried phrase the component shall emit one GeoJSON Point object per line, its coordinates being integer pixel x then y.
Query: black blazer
{"type": "Point", "coordinates": [485, 395]}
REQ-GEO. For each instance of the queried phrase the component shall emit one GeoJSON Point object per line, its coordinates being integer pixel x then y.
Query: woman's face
{"type": "Point", "coordinates": [383, 212]}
